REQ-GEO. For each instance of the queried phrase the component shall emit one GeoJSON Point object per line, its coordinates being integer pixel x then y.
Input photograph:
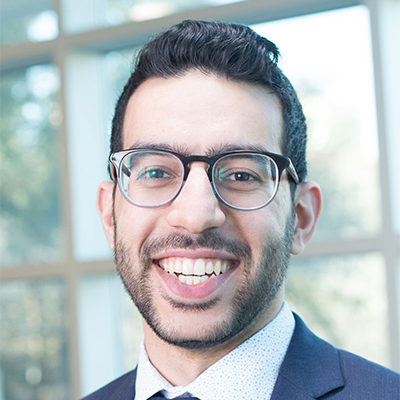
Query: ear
{"type": "Point", "coordinates": [105, 208]}
{"type": "Point", "coordinates": [308, 201]}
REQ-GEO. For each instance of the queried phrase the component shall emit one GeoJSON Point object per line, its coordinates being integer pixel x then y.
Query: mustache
{"type": "Point", "coordinates": [209, 239]}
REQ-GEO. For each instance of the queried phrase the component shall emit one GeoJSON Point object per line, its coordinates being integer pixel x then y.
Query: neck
{"type": "Point", "coordinates": [180, 366]}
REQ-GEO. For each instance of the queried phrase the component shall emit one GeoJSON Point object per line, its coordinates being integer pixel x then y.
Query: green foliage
{"type": "Point", "coordinates": [29, 163]}
{"type": "Point", "coordinates": [33, 340]}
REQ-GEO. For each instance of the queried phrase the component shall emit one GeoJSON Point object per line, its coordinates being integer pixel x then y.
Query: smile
{"type": "Point", "coordinates": [193, 271]}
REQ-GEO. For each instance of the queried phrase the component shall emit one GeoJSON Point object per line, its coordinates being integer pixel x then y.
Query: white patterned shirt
{"type": "Point", "coordinates": [246, 373]}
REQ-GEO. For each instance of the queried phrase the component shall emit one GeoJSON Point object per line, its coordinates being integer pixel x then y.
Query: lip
{"type": "Point", "coordinates": [199, 291]}
{"type": "Point", "coordinates": [196, 253]}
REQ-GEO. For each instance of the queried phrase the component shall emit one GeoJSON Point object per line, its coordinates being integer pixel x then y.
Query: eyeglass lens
{"type": "Point", "coordinates": [154, 178]}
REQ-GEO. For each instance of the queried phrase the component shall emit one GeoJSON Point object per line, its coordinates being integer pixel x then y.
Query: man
{"type": "Point", "coordinates": [206, 131]}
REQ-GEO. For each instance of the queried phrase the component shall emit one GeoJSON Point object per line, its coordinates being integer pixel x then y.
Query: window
{"type": "Point", "coordinates": [62, 68]}
{"type": "Point", "coordinates": [30, 185]}
{"type": "Point", "coordinates": [96, 14]}
{"type": "Point", "coordinates": [342, 298]}
{"type": "Point", "coordinates": [34, 344]}
{"type": "Point", "coordinates": [332, 72]}
{"type": "Point", "coordinates": [333, 75]}
{"type": "Point", "coordinates": [25, 20]}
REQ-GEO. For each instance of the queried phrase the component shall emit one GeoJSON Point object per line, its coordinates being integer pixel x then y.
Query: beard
{"type": "Point", "coordinates": [261, 280]}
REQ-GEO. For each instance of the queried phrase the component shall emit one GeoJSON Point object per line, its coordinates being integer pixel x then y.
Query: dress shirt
{"type": "Point", "coordinates": [246, 373]}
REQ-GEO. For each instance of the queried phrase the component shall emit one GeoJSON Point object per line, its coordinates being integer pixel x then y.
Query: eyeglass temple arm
{"type": "Point", "coordinates": [125, 170]}
{"type": "Point", "coordinates": [292, 172]}
{"type": "Point", "coordinates": [290, 168]}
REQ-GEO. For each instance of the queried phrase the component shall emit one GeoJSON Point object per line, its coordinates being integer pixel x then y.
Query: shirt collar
{"type": "Point", "coordinates": [247, 372]}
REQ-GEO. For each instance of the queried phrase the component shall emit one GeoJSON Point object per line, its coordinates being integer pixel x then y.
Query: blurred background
{"type": "Point", "coordinates": [67, 326]}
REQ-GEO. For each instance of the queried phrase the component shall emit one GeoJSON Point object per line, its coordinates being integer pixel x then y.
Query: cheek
{"type": "Point", "coordinates": [258, 227]}
{"type": "Point", "coordinates": [254, 227]}
{"type": "Point", "coordinates": [134, 224]}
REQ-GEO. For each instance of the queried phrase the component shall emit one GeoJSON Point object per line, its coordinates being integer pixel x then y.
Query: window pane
{"type": "Point", "coordinates": [343, 300]}
{"type": "Point", "coordinates": [29, 163]}
{"type": "Point", "coordinates": [33, 341]}
{"type": "Point", "coordinates": [332, 71]}
{"type": "Point", "coordinates": [105, 307]}
{"type": "Point", "coordinates": [119, 10]}
{"type": "Point", "coordinates": [27, 20]}
{"type": "Point", "coordinates": [94, 13]}
{"type": "Point", "coordinates": [118, 66]}
{"type": "Point", "coordinates": [89, 127]}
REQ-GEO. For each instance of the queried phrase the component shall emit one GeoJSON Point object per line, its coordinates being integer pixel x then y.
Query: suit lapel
{"type": "Point", "coordinates": [286, 390]}
{"type": "Point", "coordinates": [310, 369]}
{"type": "Point", "coordinates": [126, 390]}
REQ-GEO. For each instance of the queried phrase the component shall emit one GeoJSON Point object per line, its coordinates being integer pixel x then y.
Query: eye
{"type": "Point", "coordinates": [240, 177]}
{"type": "Point", "coordinates": [154, 174]}
{"type": "Point", "coordinates": [236, 178]}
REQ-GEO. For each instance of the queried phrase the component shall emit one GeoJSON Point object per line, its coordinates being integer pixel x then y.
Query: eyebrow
{"type": "Point", "coordinates": [234, 147]}
{"type": "Point", "coordinates": [211, 151]}
{"type": "Point", "coordinates": [159, 146]}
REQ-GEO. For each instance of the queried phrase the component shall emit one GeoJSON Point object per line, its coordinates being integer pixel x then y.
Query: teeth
{"type": "Point", "coordinates": [178, 266]}
{"type": "Point", "coordinates": [192, 279]}
{"type": "Point", "coordinates": [187, 267]}
{"type": "Point", "coordinates": [199, 267]}
{"type": "Point", "coordinates": [196, 280]}
{"type": "Point", "coordinates": [171, 267]}
{"type": "Point", "coordinates": [193, 272]}
{"type": "Point", "coordinates": [224, 266]}
{"type": "Point", "coordinates": [209, 268]}
{"type": "Point", "coordinates": [189, 280]}
{"type": "Point", "coordinates": [217, 268]}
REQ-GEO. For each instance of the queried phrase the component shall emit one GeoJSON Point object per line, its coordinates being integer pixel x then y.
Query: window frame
{"type": "Point", "coordinates": [59, 52]}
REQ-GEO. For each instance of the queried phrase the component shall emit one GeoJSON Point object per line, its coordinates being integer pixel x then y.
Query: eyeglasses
{"type": "Point", "coordinates": [242, 180]}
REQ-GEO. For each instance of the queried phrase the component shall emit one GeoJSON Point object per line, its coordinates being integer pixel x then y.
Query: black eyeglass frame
{"type": "Point", "coordinates": [283, 163]}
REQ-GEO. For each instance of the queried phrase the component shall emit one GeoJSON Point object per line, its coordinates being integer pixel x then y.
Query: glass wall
{"type": "Point", "coordinates": [29, 188]}
{"type": "Point", "coordinates": [332, 71]}
{"type": "Point", "coordinates": [116, 12]}
{"type": "Point", "coordinates": [63, 66]}
{"type": "Point", "coordinates": [344, 299]}
{"type": "Point", "coordinates": [341, 297]}
{"type": "Point", "coordinates": [26, 20]}
{"type": "Point", "coordinates": [34, 341]}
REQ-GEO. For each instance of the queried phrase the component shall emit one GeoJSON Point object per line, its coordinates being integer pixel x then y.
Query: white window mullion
{"type": "Point", "coordinates": [385, 31]}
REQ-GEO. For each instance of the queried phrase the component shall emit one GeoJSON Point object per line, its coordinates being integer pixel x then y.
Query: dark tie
{"type": "Point", "coordinates": [160, 396]}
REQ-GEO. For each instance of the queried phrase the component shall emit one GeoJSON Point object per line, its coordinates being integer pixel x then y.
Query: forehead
{"type": "Point", "coordinates": [198, 113]}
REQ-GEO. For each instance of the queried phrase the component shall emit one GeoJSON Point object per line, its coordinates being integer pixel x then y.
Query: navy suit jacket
{"type": "Point", "coordinates": [311, 369]}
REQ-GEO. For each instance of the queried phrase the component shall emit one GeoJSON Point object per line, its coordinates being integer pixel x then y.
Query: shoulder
{"type": "Point", "coordinates": [361, 374]}
{"type": "Point", "coordinates": [315, 369]}
{"type": "Point", "coordinates": [121, 389]}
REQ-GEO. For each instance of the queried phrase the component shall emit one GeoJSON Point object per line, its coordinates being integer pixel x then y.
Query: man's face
{"type": "Point", "coordinates": [201, 114]}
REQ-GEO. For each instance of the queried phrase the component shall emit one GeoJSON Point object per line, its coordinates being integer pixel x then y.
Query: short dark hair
{"type": "Point", "coordinates": [231, 51]}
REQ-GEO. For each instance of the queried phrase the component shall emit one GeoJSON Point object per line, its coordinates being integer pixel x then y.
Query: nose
{"type": "Point", "coordinates": [196, 209]}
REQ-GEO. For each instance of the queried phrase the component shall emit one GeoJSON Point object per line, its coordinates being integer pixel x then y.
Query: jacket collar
{"type": "Point", "coordinates": [124, 388]}
{"type": "Point", "coordinates": [310, 369]}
